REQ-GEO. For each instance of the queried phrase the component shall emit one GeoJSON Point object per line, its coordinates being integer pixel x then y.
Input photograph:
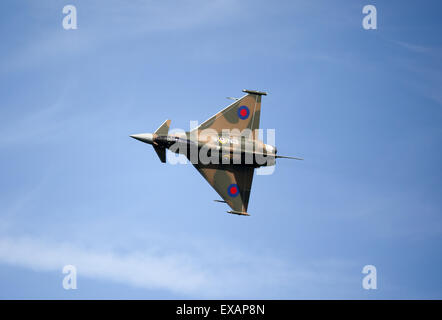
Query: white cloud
{"type": "Point", "coordinates": [173, 272]}
{"type": "Point", "coordinates": [220, 273]}
{"type": "Point", "coordinates": [150, 269]}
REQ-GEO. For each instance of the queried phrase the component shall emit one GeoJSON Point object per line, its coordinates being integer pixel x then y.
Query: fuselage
{"type": "Point", "coordinates": [215, 149]}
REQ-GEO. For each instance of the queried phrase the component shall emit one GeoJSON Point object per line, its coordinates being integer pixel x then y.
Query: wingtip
{"type": "Point", "coordinates": [259, 93]}
{"type": "Point", "coordinates": [239, 213]}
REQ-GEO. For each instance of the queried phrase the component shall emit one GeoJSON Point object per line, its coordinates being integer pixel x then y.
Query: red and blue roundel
{"type": "Point", "coordinates": [233, 190]}
{"type": "Point", "coordinates": [243, 112]}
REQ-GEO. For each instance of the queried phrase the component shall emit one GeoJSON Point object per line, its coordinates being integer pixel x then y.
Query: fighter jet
{"type": "Point", "coordinates": [225, 149]}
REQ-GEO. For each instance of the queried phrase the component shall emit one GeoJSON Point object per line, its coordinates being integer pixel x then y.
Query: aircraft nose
{"type": "Point", "coordinates": [143, 137]}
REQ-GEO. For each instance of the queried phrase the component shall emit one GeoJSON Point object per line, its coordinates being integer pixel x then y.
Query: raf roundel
{"type": "Point", "coordinates": [243, 112]}
{"type": "Point", "coordinates": [233, 190]}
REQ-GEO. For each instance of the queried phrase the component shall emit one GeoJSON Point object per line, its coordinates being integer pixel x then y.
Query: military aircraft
{"type": "Point", "coordinates": [225, 149]}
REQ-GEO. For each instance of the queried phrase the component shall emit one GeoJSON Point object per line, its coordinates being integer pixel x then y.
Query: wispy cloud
{"type": "Point", "coordinates": [224, 273]}
{"type": "Point", "coordinates": [103, 23]}
{"type": "Point", "coordinates": [422, 62]}
{"type": "Point", "coordinates": [171, 272]}
{"type": "Point", "coordinates": [420, 49]}
{"type": "Point", "coordinates": [39, 124]}
{"type": "Point", "coordinates": [150, 270]}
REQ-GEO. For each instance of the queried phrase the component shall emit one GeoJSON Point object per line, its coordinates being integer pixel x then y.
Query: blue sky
{"type": "Point", "coordinates": [363, 107]}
